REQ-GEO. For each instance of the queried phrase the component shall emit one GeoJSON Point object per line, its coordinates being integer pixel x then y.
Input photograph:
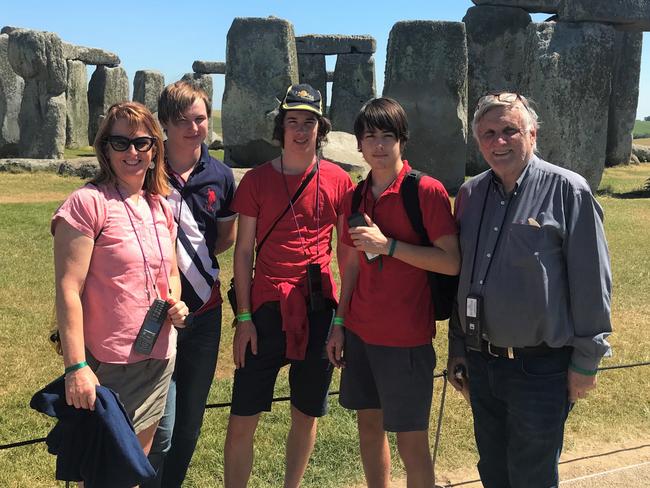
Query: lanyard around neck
{"type": "Point", "coordinates": [147, 275]}
{"type": "Point", "coordinates": [293, 212]}
{"type": "Point", "coordinates": [478, 236]}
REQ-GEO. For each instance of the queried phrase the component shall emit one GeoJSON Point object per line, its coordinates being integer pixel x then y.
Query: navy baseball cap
{"type": "Point", "coordinates": [303, 97]}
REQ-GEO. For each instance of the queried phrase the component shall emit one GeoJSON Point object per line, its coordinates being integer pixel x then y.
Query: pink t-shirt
{"type": "Point", "coordinates": [114, 297]}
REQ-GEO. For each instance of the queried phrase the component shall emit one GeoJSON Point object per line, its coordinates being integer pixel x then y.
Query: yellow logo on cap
{"type": "Point", "coordinates": [305, 94]}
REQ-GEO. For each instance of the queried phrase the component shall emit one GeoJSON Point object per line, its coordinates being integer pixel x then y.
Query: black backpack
{"type": "Point", "coordinates": [443, 287]}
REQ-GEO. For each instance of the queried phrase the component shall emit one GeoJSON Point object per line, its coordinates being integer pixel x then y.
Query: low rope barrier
{"type": "Point", "coordinates": [332, 393]}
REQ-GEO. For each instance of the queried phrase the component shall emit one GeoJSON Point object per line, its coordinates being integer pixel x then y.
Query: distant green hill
{"type": "Point", "coordinates": [641, 129]}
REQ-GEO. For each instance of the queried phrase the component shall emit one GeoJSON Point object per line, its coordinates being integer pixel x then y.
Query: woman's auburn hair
{"type": "Point", "coordinates": [138, 117]}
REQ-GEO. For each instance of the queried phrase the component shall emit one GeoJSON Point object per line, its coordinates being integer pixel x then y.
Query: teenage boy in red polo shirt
{"type": "Point", "coordinates": [281, 319]}
{"type": "Point", "coordinates": [386, 303]}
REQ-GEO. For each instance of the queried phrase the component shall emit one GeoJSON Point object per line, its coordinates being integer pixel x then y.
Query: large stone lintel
{"type": "Point", "coordinates": [209, 67]}
{"type": "Point", "coordinates": [335, 44]}
{"type": "Point", "coordinates": [543, 6]}
{"type": "Point", "coordinates": [624, 14]}
{"type": "Point", "coordinates": [90, 55]}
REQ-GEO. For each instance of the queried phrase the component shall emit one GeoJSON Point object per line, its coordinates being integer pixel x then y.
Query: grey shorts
{"type": "Point", "coordinates": [397, 380]}
{"type": "Point", "coordinates": [142, 386]}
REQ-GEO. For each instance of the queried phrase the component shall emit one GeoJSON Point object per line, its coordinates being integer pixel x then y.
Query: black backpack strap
{"type": "Point", "coordinates": [357, 195]}
{"type": "Point", "coordinates": [411, 201]}
{"type": "Point", "coordinates": [299, 191]}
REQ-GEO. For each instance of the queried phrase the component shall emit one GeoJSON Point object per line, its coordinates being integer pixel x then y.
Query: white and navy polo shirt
{"type": "Point", "coordinates": [198, 204]}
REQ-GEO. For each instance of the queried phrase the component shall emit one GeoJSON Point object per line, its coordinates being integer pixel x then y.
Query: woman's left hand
{"type": "Point", "coordinates": [177, 312]}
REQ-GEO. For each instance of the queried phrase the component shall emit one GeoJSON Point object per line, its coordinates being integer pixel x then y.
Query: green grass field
{"type": "Point", "coordinates": [619, 410]}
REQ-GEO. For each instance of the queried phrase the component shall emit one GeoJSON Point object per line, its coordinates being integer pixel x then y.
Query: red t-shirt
{"type": "Point", "coordinates": [391, 303]}
{"type": "Point", "coordinates": [291, 247]}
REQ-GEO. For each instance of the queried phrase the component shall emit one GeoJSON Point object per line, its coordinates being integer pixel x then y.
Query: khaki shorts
{"type": "Point", "coordinates": [142, 387]}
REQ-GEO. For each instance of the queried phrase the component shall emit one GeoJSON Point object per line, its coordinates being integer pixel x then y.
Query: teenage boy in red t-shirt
{"type": "Point", "coordinates": [281, 319]}
{"type": "Point", "coordinates": [386, 303]}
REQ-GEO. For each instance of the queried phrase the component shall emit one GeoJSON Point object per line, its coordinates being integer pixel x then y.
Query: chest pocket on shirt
{"type": "Point", "coordinates": [528, 245]}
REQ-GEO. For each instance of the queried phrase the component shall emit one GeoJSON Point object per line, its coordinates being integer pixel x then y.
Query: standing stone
{"type": "Point", "coordinates": [204, 82]}
{"type": "Point", "coordinates": [38, 58]}
{"type": "Point", "coordinates": [312, 70]}
{"type": "Point", "coordinates": [11, 96]}
{"type": "Point", "coordinates": [628, 14]}
{"type": "Point", "coordinates": [76, 131]}
{"type": "Point", "coordinates": [256, 79]}
{"type": "Point", "coordinates": [354, 85]}
{"type": "Point", "coordinates": [496, 40]}
{"type": "Point", "coordinates": [570, 73]}
{"type": "Point", "coordinates": [107, 86]}
{"type": "Point", "coordinates": [147, 87]}
{"type": "Point", "coordinates": [426, 71]}
{"type": "Point", "coordinates": [544, 6]}
{"type": "Point", "coordinates": [624, 97]}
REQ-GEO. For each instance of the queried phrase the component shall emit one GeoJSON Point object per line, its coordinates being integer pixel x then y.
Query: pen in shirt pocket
{"type": "Point", "coordinates": [533, 222]}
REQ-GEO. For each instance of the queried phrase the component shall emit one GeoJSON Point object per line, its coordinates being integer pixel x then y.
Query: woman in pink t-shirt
{"type": "Point", "coordinates": [114, 257]}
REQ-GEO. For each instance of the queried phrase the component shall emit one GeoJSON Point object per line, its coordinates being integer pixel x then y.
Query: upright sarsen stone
{"type": "Point", "coordinates": [203, 81]}
{"type": "Point", "coordinates": [147, 87]}
{"type": "Point", "coordinates": [107, 86]}
{"type": "Point", "coordinates": [354, 85]}
{"type": "Point", "coordinates": [569, 76]}
{"type": "Point", "coordinates": [76, 97]}
{"type": "Point", "coordinates": [312, 70]}
{"type": "Point", "coordinates": [11, 96]}
{"type": "Point", "coordinates": [261, 63]}
{"type": "Point", "coordinates": [496, 43]}
{"type": "Point", "coordinates": [38, 58]}
{"type": "Point", "coordinates": [624, 97]}
{"type": "Point", "coordinates": [426, 72]}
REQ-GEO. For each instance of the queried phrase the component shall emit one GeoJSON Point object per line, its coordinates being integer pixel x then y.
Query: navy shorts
{"type": "Point", "coordinates": [397, 380]}
{"type": "Point", "coordinates": [309, 379]}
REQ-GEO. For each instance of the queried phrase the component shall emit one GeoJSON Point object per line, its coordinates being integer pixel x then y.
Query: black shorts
{"type": "Point", "coordinates": [397, 380]}
{"type": "Point", "coordinates": [309, 379]}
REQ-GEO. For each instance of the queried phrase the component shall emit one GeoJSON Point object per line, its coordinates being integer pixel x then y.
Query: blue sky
{"type": "Point", "coordinates": [169, 36]}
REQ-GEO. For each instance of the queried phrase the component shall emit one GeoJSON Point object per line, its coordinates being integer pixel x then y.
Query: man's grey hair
{"type": "Point", "coordinates": [511, 101]}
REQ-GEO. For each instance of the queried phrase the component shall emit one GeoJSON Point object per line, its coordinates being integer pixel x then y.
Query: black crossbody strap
{"type": "Point", "coordinates": [300, 189]}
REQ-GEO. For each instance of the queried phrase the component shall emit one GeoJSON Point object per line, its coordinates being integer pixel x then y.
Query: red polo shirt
{"type": "Point", "coordinates": [295, 241]}
{"type": "Point", "coordinates": [391, 302]}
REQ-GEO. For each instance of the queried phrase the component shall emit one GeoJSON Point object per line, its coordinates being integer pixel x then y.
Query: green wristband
{"type": "Point", "coordinates": [75, 367]}
{"type": "Point", "coordinates": [244, 317]}
{"type": "Point", "coordinates": [586, 372]}
{"type": "Point", "coordinates": [391, 249]}
{"type": "Point", "coordinates": [338, 321]}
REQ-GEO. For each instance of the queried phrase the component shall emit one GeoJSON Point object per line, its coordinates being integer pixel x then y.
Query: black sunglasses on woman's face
{"type": "Point", "coordinates": [121, 143]}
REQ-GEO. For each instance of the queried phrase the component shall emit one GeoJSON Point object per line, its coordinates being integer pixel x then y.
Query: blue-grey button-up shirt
{"type": "Point", "coordinates": [539, 259]}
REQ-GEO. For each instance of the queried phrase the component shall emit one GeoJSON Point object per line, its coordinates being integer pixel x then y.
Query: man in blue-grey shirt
{"type": "Point", "coordinates": [533, 312]}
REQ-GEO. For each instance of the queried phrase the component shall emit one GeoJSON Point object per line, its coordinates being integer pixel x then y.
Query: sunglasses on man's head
{"type": "Point", "coordinates": [507, 97]}
{"type": "Point", "coordinates": [121, 143]}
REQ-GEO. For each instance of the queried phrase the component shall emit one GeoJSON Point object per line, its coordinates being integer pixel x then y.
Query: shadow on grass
{"type": "Point", "coordinates": [629, 195]}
